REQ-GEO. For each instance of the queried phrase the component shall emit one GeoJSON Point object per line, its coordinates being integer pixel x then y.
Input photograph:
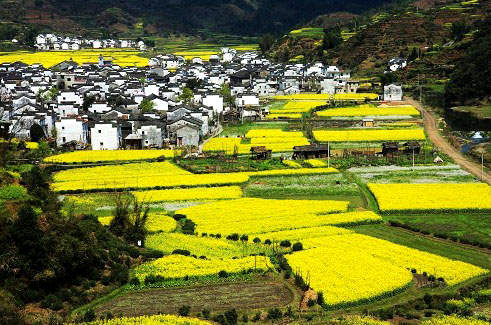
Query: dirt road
{"type": "Point", "coordinates": [435, 137]}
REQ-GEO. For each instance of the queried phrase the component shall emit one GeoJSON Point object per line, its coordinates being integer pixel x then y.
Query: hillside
{"type": "Point", "coordinates": [244, 17]}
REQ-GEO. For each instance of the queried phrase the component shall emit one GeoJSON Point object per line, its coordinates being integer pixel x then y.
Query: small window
{"type": "Point", "coordinates": [62, 127]}
{"type": "Point", "coordinates": [143, 132]}
{"type": "Point", "coordinates": [100, 131]}
{"type": "Point", "coordinates": [101, 144]}
{"type": "Point", "coordinates": [64, 139]}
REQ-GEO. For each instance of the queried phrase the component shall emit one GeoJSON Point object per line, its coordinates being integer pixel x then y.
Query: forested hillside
{"type": "Point", "coordinates": [244, 17]}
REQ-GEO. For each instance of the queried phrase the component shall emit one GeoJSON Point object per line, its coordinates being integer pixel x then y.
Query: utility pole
{"type": "Point", "coordinates": [328, 155]}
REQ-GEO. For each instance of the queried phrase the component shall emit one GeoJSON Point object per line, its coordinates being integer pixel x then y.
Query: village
{"type": "Point", "coordinates": [170, 103]}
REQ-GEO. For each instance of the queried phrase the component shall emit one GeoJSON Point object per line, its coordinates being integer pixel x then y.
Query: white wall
{"type": "Point", "coordinates": [104, 137]}
{"type": "Point", "coordinates": [69, 130]}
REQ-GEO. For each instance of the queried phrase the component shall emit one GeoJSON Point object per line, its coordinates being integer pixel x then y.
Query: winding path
{"type": "Point", "coordinates": [435, 137]}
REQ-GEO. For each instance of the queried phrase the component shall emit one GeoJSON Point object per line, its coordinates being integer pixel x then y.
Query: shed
{"type": "Point", "coordinates": [133, 141]}
{"type": "Point", "coordinates": [261, 153]}
{"type": "Point", "coordinates": [412, 147]}
{"type": "Point", "coordinates": [311, 151]}
{"type": "Point", "coordinates": [389, 148]}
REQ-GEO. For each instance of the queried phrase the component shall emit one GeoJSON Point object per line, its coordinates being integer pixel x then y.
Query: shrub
{"type": "Point", "coordinates": [188, 227]}
{"type": "Point", "coordinates": [297, 247]}
{"type": "Point", "coordinates": [245, 318]}
{"type": "Point", "coordinates": [222, 274]}
{"type": "Point", "coordinates": [320, 298]}
{"type": "Point", "coordinates": [244, 238]}
{"type": "Point", "coordinates": [231, 316]}
{"type": "Point", "coordinates": [311, 303]}
{"type": "Point", "coordinates": [256, 240]}
{"type": "Point", "coordinates": [256, 317]}
{"type": "Point", "coordinates": [267, 242]}
{"type": "Point", "coordinates": [274, 314]}
{"type": "Point", "coordinates": [234, 237]}
{"type": "Point", "coordinates": [184, 310]}
{"type": "Point", "coordinates": [178, 217]}
{"type": "Point", "coordinates": [89, 316]}
{"type": "Point", "coordinates": [181, 252]}
{"type": "Point", "coordinates": [135, 282]}
{"type": "Point", "coordinates": [206, 313]}
{"type": "Point", "coordinates": [285, 243]}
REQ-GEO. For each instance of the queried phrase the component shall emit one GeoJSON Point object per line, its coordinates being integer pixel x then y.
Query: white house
{"type": "Point", "coordinates": [99, 108]}
{"type": "Point", "coordinates": [397, 63]}
{"type": "Point", "coordinates": [215, 101]}
{"type": "Point", "coordinates": [247, 100]}
{"type": "Point", "coordinates": [71, 129]}
{"type": "Point", "coordinates": [152, 135]}
{"type": "Point", "coordinates": [104, 136]}
{"type": "Point", "coordinates": [392, 93]}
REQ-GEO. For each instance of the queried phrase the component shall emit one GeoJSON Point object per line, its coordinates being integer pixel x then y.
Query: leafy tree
{"type": "Point", "coordinates": [266, 43]}
{"type": "Point", "coordinates": [186, 96]}
{"type": "Point", "coordinates": [458, 30]}
{"type": "Point", "coordinates": [227, 95]}
{"type": "Point", "coordinates": [146, 106]}
{"type": "Point", "coordinates": [37, 133]}
{"type": "Point", "coordinates": [332, 38]}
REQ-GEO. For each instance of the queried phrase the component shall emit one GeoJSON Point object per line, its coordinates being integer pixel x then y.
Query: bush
{"type": "Point", "coordinates": [256, 317]}
{"type": "Point", "coordinates": [184, 310]}
{"type": "Point", "coordinates": [231, 316]}
{"type": "Point", "coordinates": [274, 314]}
{"type": "Point", "coordinates": [135, 282]}
{"type": "Point", "coordinates": [181, 252]}
{"type": "Point", "coordinates": [297, 247]}
{"type": "Point", "coordinates": [244, 238]}
{"type": "Point", "coordinates": [178, 217]}
{"type": "Point", "coordinates": [188, 227]}
{"type": "Point", "coordinates": [311, 303]}
{"type": "Point", "coordinates": [89, 316]}
{"type": "Point", "coordinates": [320, 298]}
{"type": "Point", "coordinates": [234, 237]}
{"type": "Point", "coordinates": [285, 243]}
{"type": "Point", "coordinates": [267, 242]}
{"type": "Point", "coordinates": [222, 274]}
{"type": "Point", "coordinates": [245, 318]}
{"type": "Point", "coordinates": [256, 240]}
{"type": "Point", "coordinates": [206, 313]}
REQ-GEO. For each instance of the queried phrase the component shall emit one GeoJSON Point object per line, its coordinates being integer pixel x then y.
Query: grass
{"type": "Point", "coordinates": [260, 293]}
{"type": "Point", "coordinates": [323, 187]}
{"type": "Point", "coordinates": [471, 227]}
{"type": "Point", "coordinates": [228, 165]}
{"type": "Point", "coordinates": [242, 129]}
{"type": "Point", "coordinates": [481, 112]}
{"type": "Point", "coordinates": [310, 32]}
{"type": "Point", "coordinates": [445, 249]}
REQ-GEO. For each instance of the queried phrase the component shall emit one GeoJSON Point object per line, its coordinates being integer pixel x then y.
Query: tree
{"type": "Point", "coordinates": [146, 105]}
{"type": "Point", "coordinates": [130, 218]}
{"type": "Point", "coordinates": [37, 133]}
{"type": "Point", "coordinates": [186, 96]}
{"type": "Point", "coordinates": [227, 95]}
{"type": "Point", "coordinates": [459, 28]}
{"type": "Point", "coordinates": [332, 38]}
{"type": "Point", "coordinates": [266, 43]}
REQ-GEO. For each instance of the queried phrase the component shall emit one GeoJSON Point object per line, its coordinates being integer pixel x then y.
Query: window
{"type": "Point", "coordinates": [64, 139]}
{"type": "Point", "coordinates": [143, 132]}
{"type": "Point", "coordinates": [69, 79]}
{"type": "Point", "coordinates": [62, 127]}
{"type": "Point", "coordinates": [100, 131]}
{"type": "Point", "coordinates": [101, 144]}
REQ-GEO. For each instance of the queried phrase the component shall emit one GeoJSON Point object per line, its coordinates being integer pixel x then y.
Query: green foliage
{"type": "Point", "coordinates": [130, 218]}
{"type": "Point", "coordinates": [146, 106]}
{"type": "Point", "coordinates": [7, 32]}
{"type": "Point", "coordinates": [37, 133]}
{"type": "Point", "coordinates": [13, 192]}
{"type": "Point", "coordinates": [471, 80]}
{"type": "Point", "coordinates": [332, 38]}
{"type": "Point", "coordinates": [186, 96]}
{"type": "Point", "coordinates": [459, 29]}
{"type": "Point", "coordinates": [266, 43]}
{"type": "Point", "coordinates": [188, 227]}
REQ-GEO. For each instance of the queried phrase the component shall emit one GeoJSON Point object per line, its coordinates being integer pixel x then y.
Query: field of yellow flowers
{"type": "Point", "coordinates": [298, 107]}
{"type": "Point", "coordinates": [346, 274]}
{"type": "Point", "coordinates": [339, 97]}
{"type": "Point", "coordinates": [157, 175]}
{"type": "Point", "coordinates": [201, 246]}
{"type": "Point", "coordinates": [432, 197]}
{"type": "Point", "coordinates": [179, 266]}
{"type": "Point", "coordinates": [368, 135]}
{"type": "Point", "coordinates": [274, 139]}
{"type": "Point", "coordinates": [369, 110]}
{"type": "Point", "coordinates": [87, 156]}
{"type": "Point", "coordinates": [49, 59]}
{"type": "Point", "coordinates": [151, 320]}
{"type": "Point", "coordinates": [252, 216]}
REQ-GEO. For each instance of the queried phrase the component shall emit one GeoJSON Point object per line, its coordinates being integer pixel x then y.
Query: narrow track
{"type": "Point", "coordinates": [435, 137]}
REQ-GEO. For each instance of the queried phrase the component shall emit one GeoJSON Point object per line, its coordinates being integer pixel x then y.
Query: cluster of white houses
{"type": "Point", "coordinates": [104, 106]}
{"type": "Point", "coordinates": [46, 42]}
